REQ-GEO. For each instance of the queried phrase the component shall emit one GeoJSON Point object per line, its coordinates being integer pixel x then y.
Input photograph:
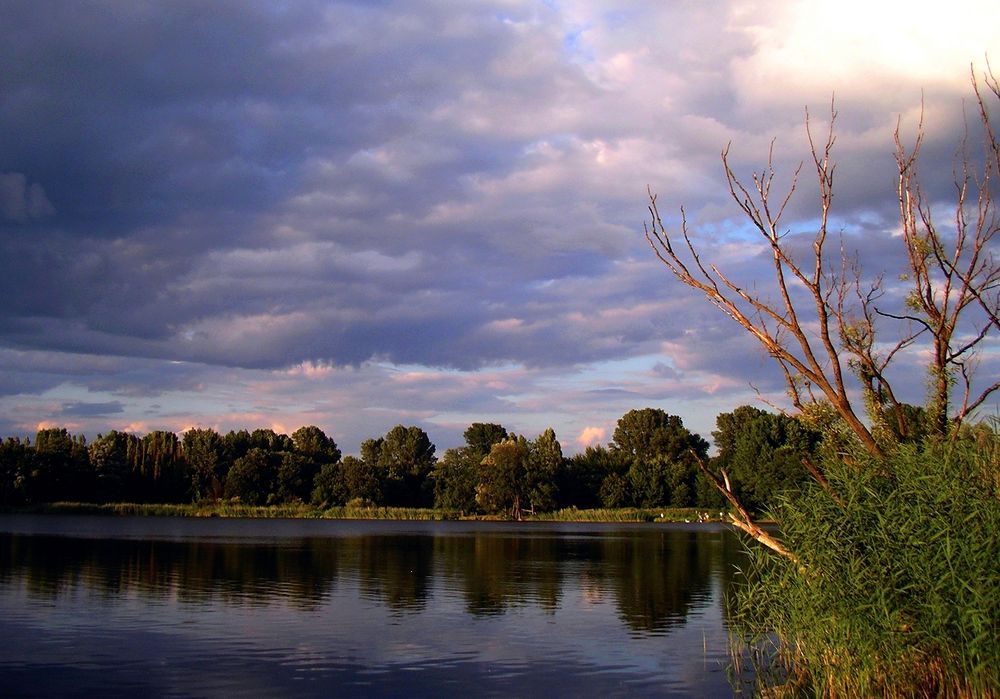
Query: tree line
{"type": "Point", "coordinates": [651, 461]}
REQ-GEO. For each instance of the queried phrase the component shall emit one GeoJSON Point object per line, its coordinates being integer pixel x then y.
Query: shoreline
{"type": "Point", "coordinates": [302, 511]}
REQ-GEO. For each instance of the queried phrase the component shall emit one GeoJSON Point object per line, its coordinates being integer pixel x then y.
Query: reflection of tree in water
{"type": "Point", "coordinates": [499, 572]}
{"type": "Point", "coordinates": [393, 570]}
{"type": "Point", "coordinates": [193, 571]}
{"type": "Point", "coordinates": [657, 578]}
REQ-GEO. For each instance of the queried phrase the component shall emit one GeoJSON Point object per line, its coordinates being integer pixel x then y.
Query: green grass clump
{"type": "Point", "coordinates": [898, 588]}
{"type": "Point", "coordinates": [388, 513]}
{"type": "Point", "coordinates": [622, 514]}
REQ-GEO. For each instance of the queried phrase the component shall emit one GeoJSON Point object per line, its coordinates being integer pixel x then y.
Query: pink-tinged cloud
{"type": "Point", "coordinates": [590, 436]}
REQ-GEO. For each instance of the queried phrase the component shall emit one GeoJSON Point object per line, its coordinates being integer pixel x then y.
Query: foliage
{"type": "Point", "coordinates": [15, 467]}
{"type": "Point", "coordinates": [649, 432]}
{"type": "Point", "coordinates": [762, 452]}
{"type": "Point", "coordinates": [203, 451]}
{"type": "Point", "coordinates": [294, 480]}
{"type": "Point", "coordinates": [503, 481]}
{"type": "Point", "coordinates": [252, 477]}
{"type": "Point", "coordinates": [349, 480]}
{"type": "Point", "coordinates": [481, 436]}
{"type": "Point", "coordinates": [111, 458]}
{"type": "Point", "coordinates": [661, 453]}
{"type": "Point", "coordinates": [897, 592]}
{"type": "Point", "coordinates": [270, 441]}
{"type": "Point", "coordinates": [545, 460]}
{"type": "Point", "coordinates": [520, 475]}
{"type": "Point", "coordinates": [59, 467]}
{"type": "Point", "coordinates": [456, 476]}
{"type": "Point", "coordinates": [583, 475]}
{"type": "Point", "coordinates": [616, 491]}
{"type": "Point", "coordinates": [406, 456]}
{"type": "Point", "coordinates": [313, 443]}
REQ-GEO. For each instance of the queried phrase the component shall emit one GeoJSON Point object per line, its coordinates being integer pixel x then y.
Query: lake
{"type": "Point", "coordinates": [122, 606]}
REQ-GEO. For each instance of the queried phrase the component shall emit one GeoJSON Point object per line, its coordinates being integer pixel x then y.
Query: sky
{"type": "Point", "coordinates": [361, 214]}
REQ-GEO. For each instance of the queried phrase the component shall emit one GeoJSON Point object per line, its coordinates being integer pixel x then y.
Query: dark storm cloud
{"type": "Point", "coordinates": [156, 140]}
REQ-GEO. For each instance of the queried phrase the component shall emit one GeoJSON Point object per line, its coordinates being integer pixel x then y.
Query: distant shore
{"type": "Point", "coordinates": [302, 511]}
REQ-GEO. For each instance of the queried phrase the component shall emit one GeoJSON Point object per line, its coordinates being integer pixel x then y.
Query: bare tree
{"type": "Point", "coordinates": [819, 322]}
{"type": "Point", "coordinates": [952, 271]}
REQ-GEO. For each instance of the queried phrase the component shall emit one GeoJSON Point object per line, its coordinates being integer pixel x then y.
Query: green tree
{"type": "Point", "coordinates": [327, 490]}
{"type": "Point", "coordinates": [763, 453]}
{"type": "Point", "coordinates": [159, 474]}
{"type": "Point", "coordinates": [61, 469]}
{"type": "Point", "coordinates": [647, 479]}
{"type": "Point", "coordinates": [503, 478]}
{"type": "Point", "coordinates": [481, 436]}
{"type": "Point", "coordinates": [16, 462]}
{"type": "Point", "coordinates": [269, 440]}
{"type": "Point", "coordinates": [649, 432]}
{"type": "Point", "coordinates": [371, 449]}
{"type": "Point", "coordinates": [111, 461]}
{"type": "Point", "coordinates": [252, 477]}
{"type": "Point", "coordinates": [235, 443]}
{"type": "Point", "coordinates": [351, 480]}
{"type": "Point", "coordinates": [520, 475]}
{"type": "Point", "coordinates": [314, 444]}
{"type": "Point", "coordinates": [294, 480]}
{"type": "Point", "coordinates": [616, 491]}
{"type": "Point", "coordinates": [362, 482]}
{"type": "Point", "coordinates": [313, 449]}
{"type": "Point", "coordinates": [455, 476]}
{"type": "Point", "coordinates": [584, 474]}
{"type": "Point", "coordinates": [406, 455]}
{"type": "Point", "coordinates": [663, 455]}
{"type": "Point", "coordinates": [204, 453]}
{"type": "Point", "coordinates": [545, 460]}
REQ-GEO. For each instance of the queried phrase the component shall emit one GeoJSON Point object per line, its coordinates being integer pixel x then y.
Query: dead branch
{"type": "Point", "coordinates": [800, 339]}
{"type": "Point", "coordinates": [744, 521]}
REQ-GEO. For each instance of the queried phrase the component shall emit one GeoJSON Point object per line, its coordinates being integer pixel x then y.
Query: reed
{"type": "Point", "coordinates": [233, 509]}
{"type": "Point", "coordinates": [625, 514]}
{"type": "Point", "coordinates": [390, 513]}
{"type": "Point", "coordinates": [898, 591]}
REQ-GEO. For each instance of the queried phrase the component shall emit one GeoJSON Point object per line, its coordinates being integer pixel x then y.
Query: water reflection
{"type": "Point", "coordinates": [654, 578]}
{"type": "Point", "coordinates": [500, 601]}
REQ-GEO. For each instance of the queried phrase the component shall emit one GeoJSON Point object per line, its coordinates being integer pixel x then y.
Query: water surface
{"type": "Point", "coordinates": [95, 606]}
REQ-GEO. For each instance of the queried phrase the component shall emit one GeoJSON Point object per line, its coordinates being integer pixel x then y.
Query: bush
{"type": "Point", "coordinates": [898, 588]}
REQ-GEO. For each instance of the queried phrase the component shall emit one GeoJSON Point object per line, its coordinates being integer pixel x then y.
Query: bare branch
{"type": "Point", "coordinates": [743, 521]}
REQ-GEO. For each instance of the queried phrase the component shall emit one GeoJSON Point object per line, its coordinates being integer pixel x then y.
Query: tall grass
{"type": "Point", "coordinates": [898, 592]}
{"type": "Point", "coordinates": [389, 513]}
{"type": "Point", "coordinates": [623, 514]}
{"type": "Point", "coordinates": [304, 511]}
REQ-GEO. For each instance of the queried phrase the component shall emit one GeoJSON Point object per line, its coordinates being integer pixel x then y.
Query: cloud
{"type": "Point", "coordinates": [591, 436]}
{"type": "Point", "coordinates": [20, 201]}
{"type": "Point", "coordinates": [83, 409]}
{"type": "Point", "coordinates": [431, 210]}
